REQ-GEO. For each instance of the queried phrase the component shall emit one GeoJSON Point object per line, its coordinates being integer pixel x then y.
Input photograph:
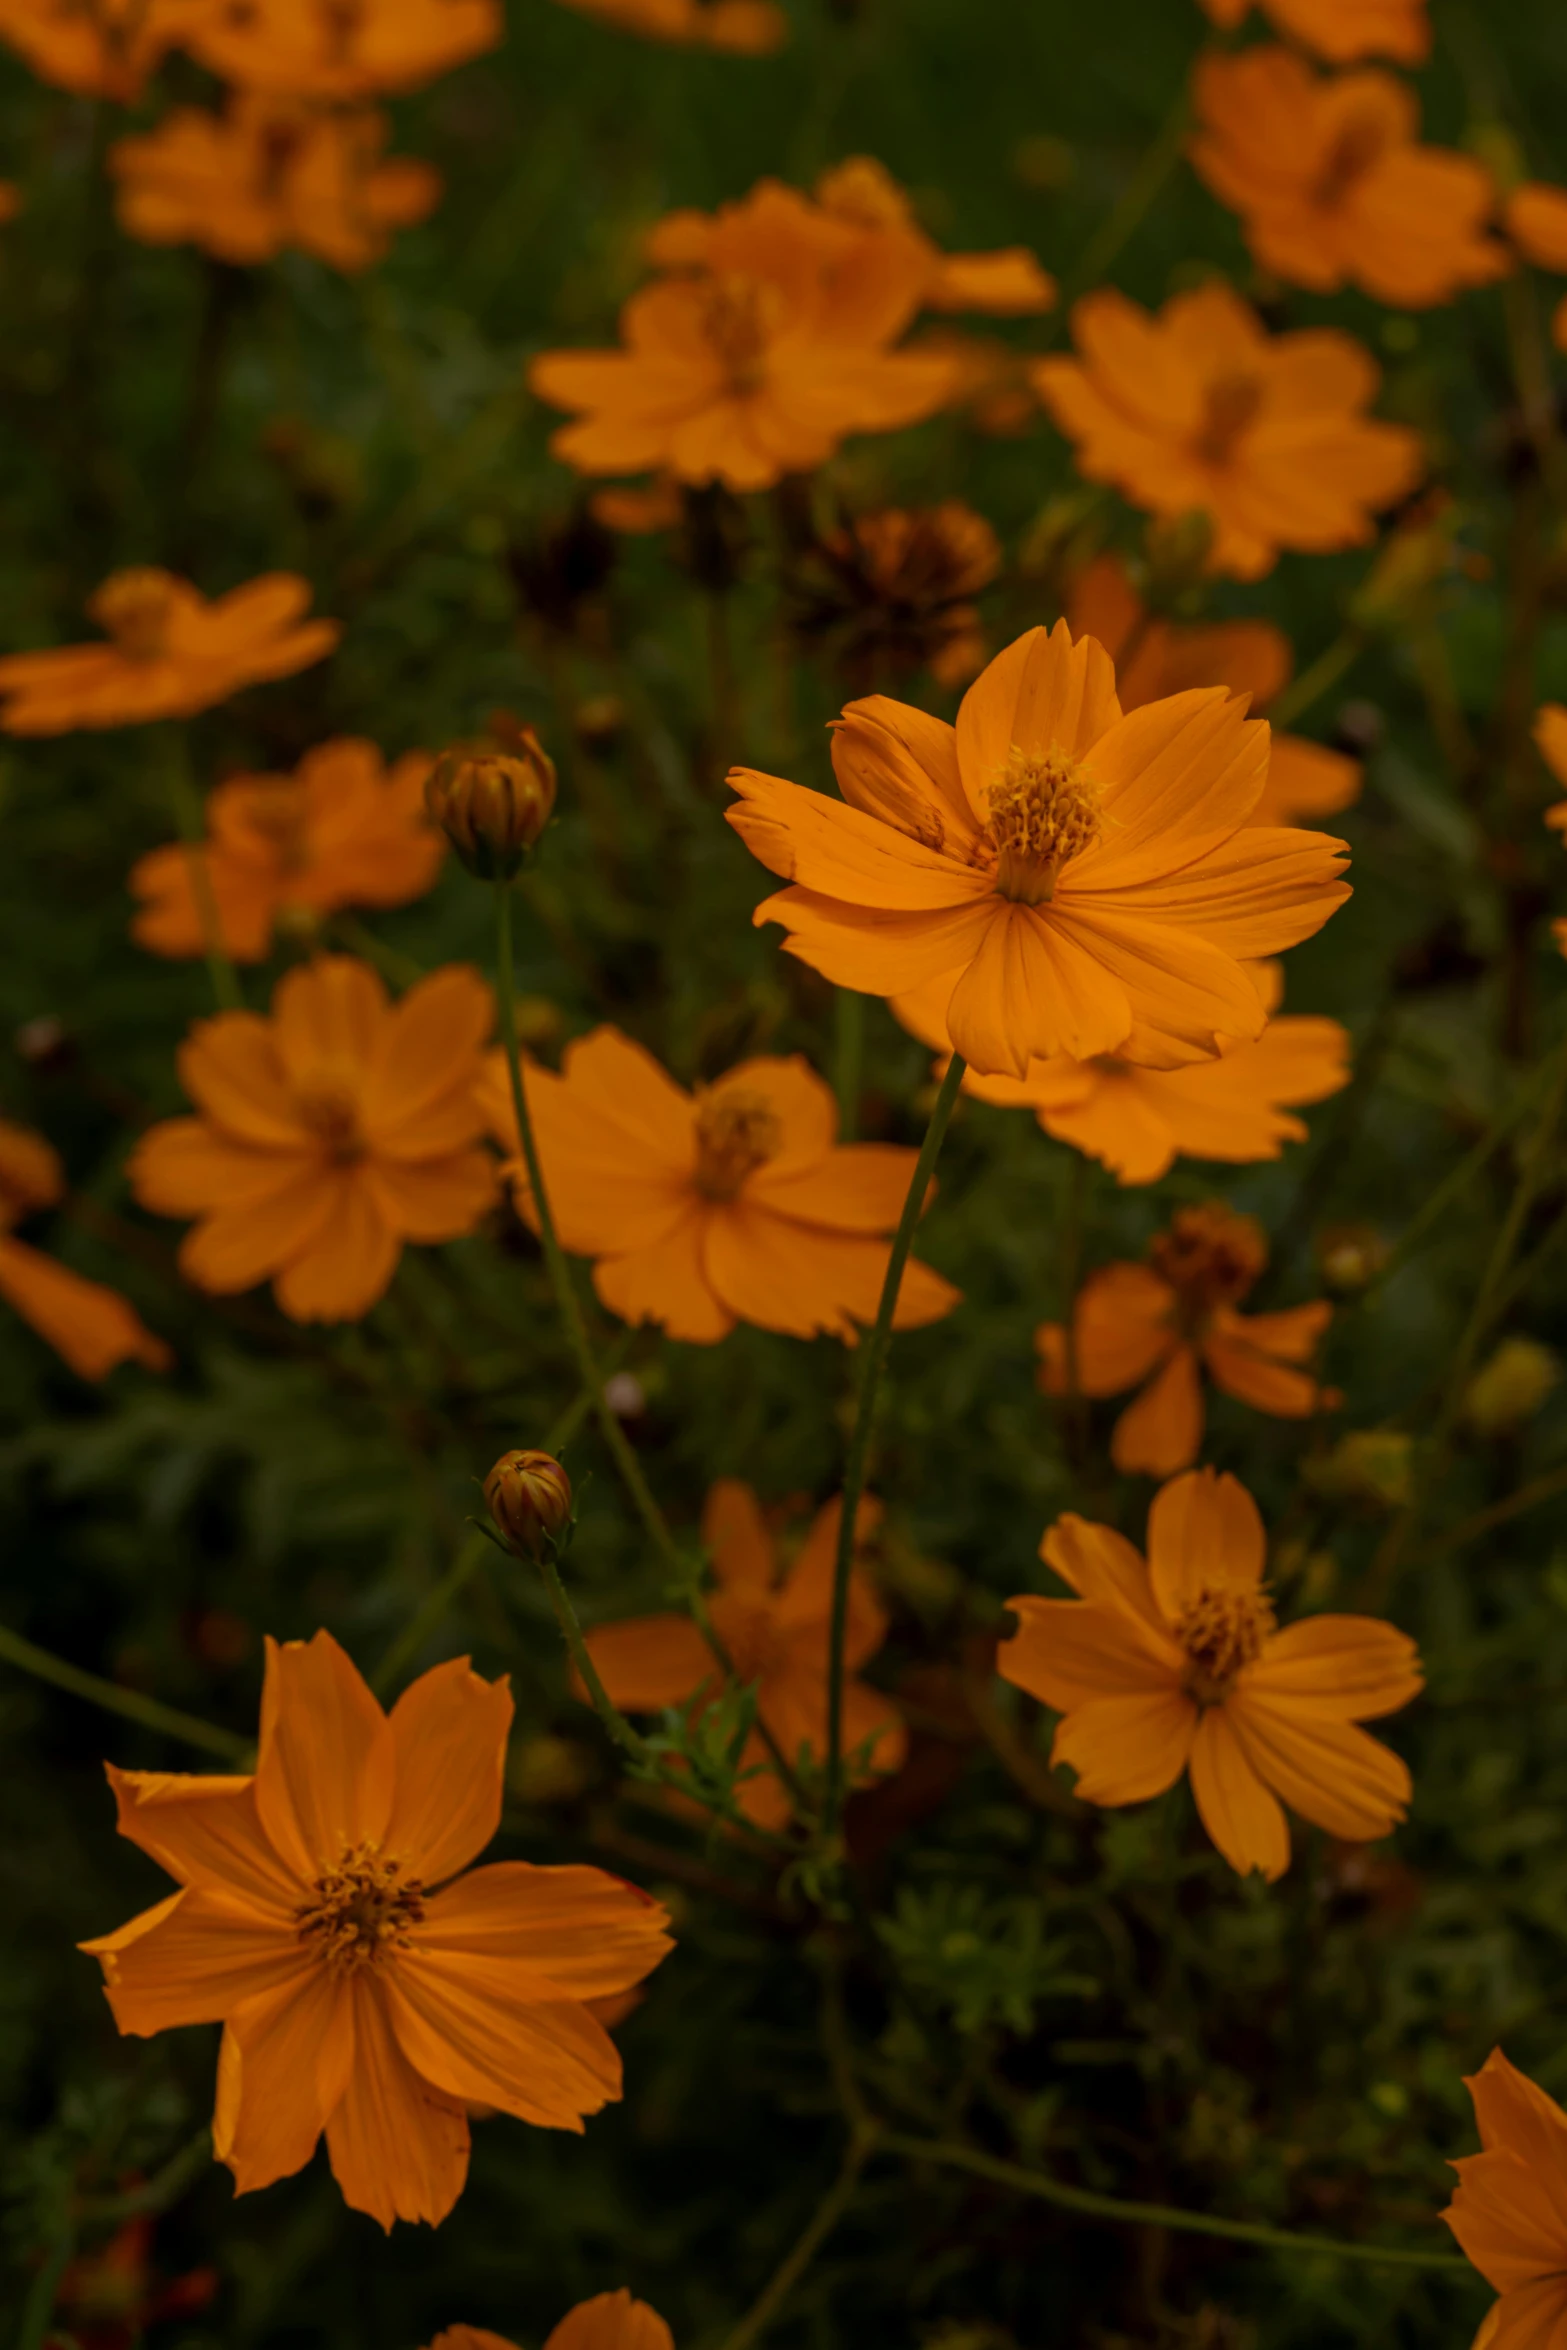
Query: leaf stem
{"type": "Point", "coordinates": [135, 1708]}
{"type": "Point", "coordinates": [604, 1705]}
{"type": "Point", "coordinates": [862, 2143]}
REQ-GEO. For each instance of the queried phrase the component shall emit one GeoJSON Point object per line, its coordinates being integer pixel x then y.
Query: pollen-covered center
{"type": "Point", "coordinates": [1043, 812]}
{"type": "Point", "coordinates": [740, 316]}
{"type": "Point", "coordinates": [736, 1132]}
{"type": "Point", "coordinates": [137, 608]}
{"type": "Point", "coordinates": [362, 1910]}
{"type": "Point", "coordinates": [1221, 1631]}
{"type": "Point", "coordinates": [1230, 406]}
{"type": "Point", "coordinates": [328, 1104]}
{"type": "Point", "coordinates": [1210, 1257]}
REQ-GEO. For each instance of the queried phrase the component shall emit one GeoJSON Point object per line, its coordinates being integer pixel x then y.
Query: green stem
{"type": "Point", "coordinates": [115, 1700]}
{"type": "Point", "coordinates": [156, 2194]}
{"type": "Point", "coordinates": [400, 969]}
{"type": "Point", "coordinates": [39, 2307]}
{"type": "Point", "coordinates": [1527, 1497]}
{"type": "Point", "coordinates": [1453, 1186]}
{"type": "Point", "coordinates": [604, 1705]}
{"type": "Point", "coordinates": [1323, 674]}
{"type": "Point", "coordinates": [570, 1311]}
{"type": "Point", "coordinates": [1162, 2215]}
{"type": "Point", "coordinates": [1158, 162]}
{"type": "Point", "coordinates": [872, 1366]}
{"type": "Point", "coordinates": [191, 825]}
{"type": "Point", "coordinates": [823, 2220]}
{"type": "Point", "coordinates": [429, 1613]}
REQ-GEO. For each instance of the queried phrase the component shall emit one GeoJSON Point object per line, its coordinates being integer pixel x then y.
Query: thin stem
{"type": "Point", "coordinates": [190, 824]}
{"type": "Point", "coordinates": [1454, 1185]}
{"type": "Point", "coordinates": [872, 1366]}
{"type": "Point", "coordinates": [1323, 674]}
{"type": "Point", "coordinates": [823, 2220]}
{"type": "Point", "coordinates": [164, 2188]}
{"type": "Point", "coordinates": [1158, 162]}
{"type": "Point", "coordinates": [429, 1613]}
{"type": "Point", "coordinates": [40, 2302]}
{"type": "Point", "coordinates": [604, 1705]}
{"type": "Point", "coordinates": [1163, 2215]}
{"type": "Point", "coordinates": [570, 1311]}
{"type": "Point", "coordinates": [115, 1700]}
{"type": "Point", "coordinates": [1527, 1497]}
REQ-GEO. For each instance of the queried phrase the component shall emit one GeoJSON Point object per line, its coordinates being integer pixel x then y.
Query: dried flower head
{"type": "Point", "coordinates": [893, 591]}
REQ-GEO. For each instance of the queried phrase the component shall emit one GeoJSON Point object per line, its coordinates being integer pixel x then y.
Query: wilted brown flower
{"type": "Point", "coordinates": [893, 591]}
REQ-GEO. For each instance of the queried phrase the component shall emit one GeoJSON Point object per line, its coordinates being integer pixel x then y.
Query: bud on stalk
{"type": "Point", "coordinates": [529, 1498]}
{"type": "Point", "coordinates": [493, 805]}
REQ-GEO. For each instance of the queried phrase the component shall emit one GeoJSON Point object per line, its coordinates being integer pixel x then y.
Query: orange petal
{"type": "Point", "coordinates": [1067, 1653]}
{"type": "Point", "coordinates": [1162, 1431]}
{"type": "Point", "coordinates": [1033, 990]}
{"type": "Point", "coordinates": [1351, 1667]}
{"type": "Point", "coordinates": [611, 2321]}
{"type": "Point", "coordinates": [346, 1264]}
{"type": "Point", "coordinates": [1507, 2217]}
{"type": "Point", "coordinates": [1205, 1533]}
{"type": "Point", "coordinates": [1326, 1769]}
{"type": "Point", "coordinates": [859, 1187]}
{"type": "Point", "coordinates": [1100, 1565]}
{"type": "Point", "coordinates": [437, 1199]}
{"type": "Point", "coordinates": [325, 1777]}
{"type": "Point", "coordinates": [803, 1279]}
{"type": "Point", "coordinates": [90, 1327]}
{"type": "Point", "coordinates": [1127, 1749]}
{"type": "Point", "coordinates": [195, 1958]}
{"type": "Point", "coordinates": [398, 2147]}
{"type": "Point", "coordinates": [482, 2033]}
{"type": "Point", "coordinates": [425, 1054]}
{"type": "Point", "coordinates": [565, 1933]}
{"type": "Point", "coordinates": [1043, 693]}
{"type": "Point", "coordinates": [333, 1010]}
{"type": "Point", "coordinates": [735, 1532]}
{"type": "Point", "coordinates": [449, 1732]}
{"type": "Point", "coordinates": [290, 2058]}
{"type": "Point", "coordinates": [1240, 1814]}
{"type": "Point", "coordinates": [667, 1282]}
{"type": "Point", "coordinates": [649, 1662]}
{"type": "Point", "coordinates": [1253, 1377]}
{"type": "Point", "coordinates": [899, 763]}
{"type": "Point", "coordinates": [204, 1831]}
{"type": "Point", "coordinates": [826, 845]}
{"type": "Point", "coordinates": [1124, 1327]}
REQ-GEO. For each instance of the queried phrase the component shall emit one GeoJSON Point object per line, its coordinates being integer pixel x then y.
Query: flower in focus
{"type": "Point", "coordinates": [169, 653]}
{"type": "Point", "coordinates": [772, 1623]}
{"type": "Point", "coordinates": [103, 51]}
{"type": "Point", "coordinates": [1536, 220]}
{"type": "Point", "coordinates": [1078, 879]}
{"type": "Point", "coordinates": [1008, 283]}
{"type": "Point", "coordinates": [764, 344]}
{"type": "Point", "coordinates": [92, 1328]}
{"type": "Point", "coordinates": [731, 1204]}
{"type": "Point", "coordinates": [326, 1136]}
{"type": "Point", "coordinates": [894, 591]}
{"type": "Point", "coordinates": [109, 2298]}
{"type": "Point", "coordinates": [270, 173]}
{"type": "Point", "coordinates": [1137, 1122]}
{"type": "Point", "coordinates": [1342, 29]}
{"type": "Point", "coordinates": [1177, 1664]}
{"type": "Point", "coordinates": [1170, 1320]}
{"type": "Point", "coordinates": [1200, 409]}
{"type": "Point", "coordinates": [341, 48]}
{"type": "Point", "coordinates": [1510, 2209]}
{"type": "Point", "coordinates": [494, 799]}
{"type": "Point", "coordinates": [1154, 657]}
{"type": "Point", "coordinates": [364, 1986]}
{"type": "Point", "coordinates": [610, 2321]}
{"type": "Point", "coordinates": [739, 28]}
{"type": "Point", "coordinates": [342, 830]}
{"type": "Point", "coordinates": [1331, 185]}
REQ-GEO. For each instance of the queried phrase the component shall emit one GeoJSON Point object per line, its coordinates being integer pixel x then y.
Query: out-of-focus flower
{"type": "Point", "coordinates": [1154, 657]}
{"type": "Point", "coordinates": [269, 174]}
{"type": "Point", "coordinates": [636, 512]}
{"type": "Point", "coordinates": [1007, 283]}
{"type": "Point", "coordinates": [355, 1997]}
{"type": "Point", "coordinates": [1351, 1257]}
{"type": "Point", "coordinates": [91, 1327]}
{"type": "Point", "coordinates": [1137, 1122]}
{"type": "Point", "coordinates": [1550, 735]}
{"type": "Point", "coordinates": [104, 50]}
{"type": "Point", "coordinates": [1200, 408]}
{"type": "Point", "coordinates": [326, 1136]}
{"type": "Point", "coordinates": [889, 592]}
{"type": "Point", "coordinates": [1536, 220]}
{"type": "Point", "coordinates": [1332, 185]}
{"type": "Point", "coordinates": [739, 28]}
{"type": "Point", "coordinates": [1166, 1322]}
{"type": "Point", "coordinates": [1177, 1664]}
{"type": "Point", "coordinates": [1510, 2210]}
{"type": "Point", "coordinates": [1510, 1388]}
{"type": "Point", "coordinates": [1342, 29]}
{"type": "Point", "coordinates": [772, 1624]}
{"type": "Point", "coordinates": [765, 344]}
{"type": "Point", "coordinates": [493, 800]}
{"type": "Point", "coordinates": [732, 1204]}
{"type": "Point", "coordinates": [1077, 878]}
{"type": "Point", "coordinates": [1369, 1466]}
{"type": "Point", "coordinates": [610, 2321]}
{"type": "Point", "coordinates": [342, 830]}
{"type": "Point", "coordinates": [108, 2299]}
{"type": "Point", "coordinates": [341, 48]}
{"type": "Point", "coordinates": [169, 653]}
{"type": "Point", "coordinates": [988, 379]}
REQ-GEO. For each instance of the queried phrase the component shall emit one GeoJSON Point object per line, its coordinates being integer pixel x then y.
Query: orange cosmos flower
{"type": "Point", "coordinates": [740, 28]}
{"type": "Point", "coordinates": [1168, 1321]}
{"type": "Point", "coordinates": [1155, 657]}
{"type": "Point", "coordinates": [364, 1986]}
{"type": "Point", "coordinates": [269, 174]}
{"type": "Point", "coordinates": [326, 1136]}
{"type": "Point", "coordinates": [1201, 409]}
{"type": "Point", "coordinates": [1536, 220]}
{"type": "Point", "coordinates": [342, 48]}
{"type": "Point", "coordinates": [1138, 1121]}
{"type": "Point", "coordinates": [1510, 2211]}
{"type": "Point", "coordinates": [731, 1204]}
{"type": "Point", "coordinates": [170, 653]}
{"type": "Point", "coordinates": [610, 2321]}
{"type": "Point", "coordinates": [1331, 185]}
{"type": "Point", "coordinates": [1078, 879]}
{"type": "Point", "coordinates": [773, 1626]}
{"type": "Point", "coordinates": [768, 346]}
{"type": "Point", "coordinates": [342, 830]}
{"type": "Point", "coordinates": [1343, 29]}
{"type": "Point", "coordinates": [1177, 1664]}
{"type": "Point", "coordinates": [1008, 283]}
{"type": "Point", "coordinates": [93, 1328]}
{"type": "Point", "coordinates": [99, 48]}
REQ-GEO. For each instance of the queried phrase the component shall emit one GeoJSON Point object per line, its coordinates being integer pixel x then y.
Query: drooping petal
{"type": "Point", "coordinates": [1205, 1533]}
{"type": "Point", "coordinates": [564, 1933]}
{"type": "Point", "coordinates": [398, 2145]}
{"type": "Point", "coordinates": [1242, 1816]}
{"type": "Point", "coordinates": [291, 2058]}
{"type": "Point", "coordinates": [1161, 1432]}
{"type": "Point", "coordinates": [326, 1772]}
{"type": "Point", "coordinates": [449, 1732]}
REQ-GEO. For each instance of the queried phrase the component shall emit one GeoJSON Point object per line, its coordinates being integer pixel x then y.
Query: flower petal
{"type": "Point", "coordinates": [1044, 693]}
{"type": "Point", "coordinates": [194, 1959]}
{"type": "Point", "coordinates": [290, 2056]}
{"type": "Point", "coordinates": [1127, 1749]}
{"type": "Point", "coordinates": [1324, 1768]}
{"type": "Point", "coordinates": [1241, 1815]}
{"type": "Point", "coordinates": [1162, 1431]}
{"type": "Point", "coordinates": [827, 846]}
{"type": "Point", "coordinates": [479, 2029]}
{"type": "Point", "coordinates": [398, 2146]}
{"type": "Point", "coordinates": [666, 1281]}
{"type": "Point", "coordinates": [1205, 1533]}
{"type": "Point", "coordinates": [449, 1732]}
{"type": "Point", "coordinates": [610, 2321]}
{"type": "Point", "coordinates": [204, 1831]}
{"type": "Point", "coordinates": [325, 1777]}
{"type": "Point", "coordinates": [1068, 1652]}
{"type": "Point", "coordinates": [563, 1933]}
{"type": "Point", "coordinates": [734, 1530]}
{"type": "Point", "coordinates": [1034, 989]}
{"type": "Point", "coordinates": [649, 1662]}
{"type": "Point", "coordinates": [347, 1262]}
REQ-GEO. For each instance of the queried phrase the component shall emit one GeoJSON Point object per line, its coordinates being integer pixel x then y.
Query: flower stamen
{"type": "Point", "coordinates": [363, 1910]}
{"type": "Point", "coordinates": [1222, 1631]}
{"type": "Point", "coordinates": [739, 317]}
{"type": "Point", "coordinates": [1230, 407]}
{"type": "Point", "coordinates": [330, 1109]}
{"type": "Point", "coordinates": [736, 1132]}
{"type": "Point", "coordinates": [1043, 812]}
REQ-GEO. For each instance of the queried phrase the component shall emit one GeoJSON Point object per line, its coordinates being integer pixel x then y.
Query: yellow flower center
{"type": "Point", "coordinates": [136, 608]}
{"type": "Point", "coordinates": [1361, 143]}
{"type": "Point", "coordinates": [1221, 1631]}
{"type": "Point", "coordinates": [1043, 812]}
{"type": "Point", "coordinates": [740, 315]}
{"type": "Point", "coordinates": [329, 1107]}
{"type": "Point", "coordinates": [1230, 407]}
{"type": "Point", "coordinates": [736, 1132]}
{"type": "Point", "coordinates": [363, 1910]}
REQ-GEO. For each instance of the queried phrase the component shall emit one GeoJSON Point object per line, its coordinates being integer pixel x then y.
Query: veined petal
{"type": "Point", "coordinates": [325, 1777]}
{"type": "Point", "coordinates": [1033, 991]}
{"type": "Point", "coordinates": [1264, 889]}
{"type": "Point", "coordinates": [882, 747]}
{"type": "Point", "coordinates": [1241, 1815]}
{"type": "Point", "coordinates": [1179, 776]}
{"type": "Point", "coordinates": [449, 1731]}
{"type": "Point", "coordinates": [1205, 1533]}
{"type": "Point", "coordinates": [861, 1187]}
{"type": "Point", "coordinates": [562, 1933]}
{"type": "Point", "coordinates": [204, 1831]}
{"type": "Point", "coordinates": [291, 2058]}
{"type": "Point", "coordinates": [1101, 1566]}
{"type": "Point", "coordinates": [194, 1960]}
{"type": "Point", "coordinates": [479, 2029]}
{"type": "Point", "coordinates": [1068, 1652]}
{"type": "Point", "coordinates": [1351, 1668]}
{"type": "Point", "coordinates": [398, 2145]}
{"type": "Point", "coordinates": [1044, 693]}
{"type": "Point", "coordinates": [827, 846]}
{"type": "Point", "coordinates": [1513, 2111]}
{"type": "Point", "coordinates": [1327, 1770]}
{"type": "Point", "coordinates": [878, 953]}
{"type": "Point", "coordinates": [1175, 983]}
{"type": "Point", "coordinates": [1127, 1749]}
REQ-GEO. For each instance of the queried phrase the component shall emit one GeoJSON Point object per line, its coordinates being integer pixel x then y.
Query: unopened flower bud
{"type": "Point", "coordinates": [529, 1498]}
{"type": "Point", "coordinates": [1351, 1257]}
{"type": "Point", "coordinates": [1511, 1387]}
{"type": "Point", "coordinates": [493, 805]}
{"type": "Point", "coordinates": [1372, 1466]}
